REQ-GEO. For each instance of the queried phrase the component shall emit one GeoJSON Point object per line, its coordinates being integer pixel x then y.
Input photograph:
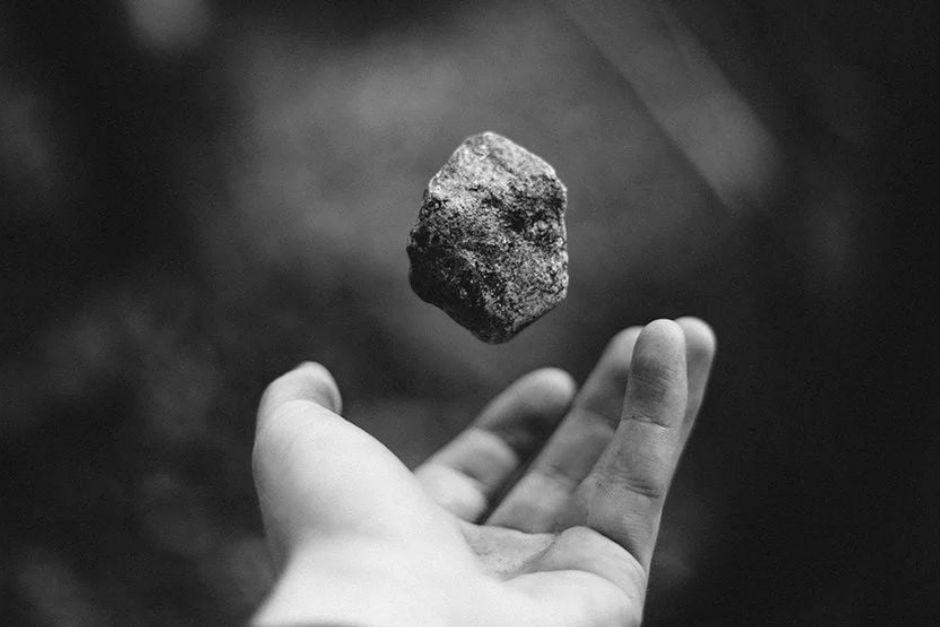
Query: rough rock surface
{"type": "Point", "coordinates": [490, 244]}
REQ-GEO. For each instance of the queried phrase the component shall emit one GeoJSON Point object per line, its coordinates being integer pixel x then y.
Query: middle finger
{"type": "Point", "coordinates": [536, 500]}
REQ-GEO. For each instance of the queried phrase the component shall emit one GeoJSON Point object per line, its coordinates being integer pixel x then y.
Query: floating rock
{"type": "Point", "coordinates": [490, 244]}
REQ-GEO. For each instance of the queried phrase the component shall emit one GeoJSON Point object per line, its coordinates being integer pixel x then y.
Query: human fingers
{"type": "Point", "coordinates": [319, 476]}
{"type": "Point", "coordinates": [464, 475]}
{"type": "Point", "coordinates": [535, 502]}
{"type": "Point", "coordinates": [700, 345]}
{"type": "Point", "coordinates": [623, 496]}
{"type": "Point", "coordinates": [309, 382]}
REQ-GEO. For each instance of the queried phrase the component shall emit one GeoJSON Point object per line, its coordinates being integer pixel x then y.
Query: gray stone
{"type": "Point", "coordinates": [490, 244]}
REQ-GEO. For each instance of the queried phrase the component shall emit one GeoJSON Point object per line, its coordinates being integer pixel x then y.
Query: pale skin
{"type": "Point", "coordinates": [361, 540]}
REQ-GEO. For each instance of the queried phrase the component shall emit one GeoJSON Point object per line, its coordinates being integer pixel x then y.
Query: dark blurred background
{"type": "Point", "coordinates": [198, 194]}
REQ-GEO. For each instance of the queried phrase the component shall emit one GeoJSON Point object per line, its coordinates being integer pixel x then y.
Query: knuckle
{"type": "Point", "coordinates": [650, 487]}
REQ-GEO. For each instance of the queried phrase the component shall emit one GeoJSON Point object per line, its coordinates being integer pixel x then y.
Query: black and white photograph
{"type": "Point", "coordinates": [532, 313]}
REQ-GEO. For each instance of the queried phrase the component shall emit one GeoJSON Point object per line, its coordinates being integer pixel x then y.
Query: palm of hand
{"type": "Point", "coordinates": [569, 543]}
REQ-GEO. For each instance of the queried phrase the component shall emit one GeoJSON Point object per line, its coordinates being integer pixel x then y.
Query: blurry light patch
{"type": "Point", "coordinates": [686, 93]}
{"type": "Point", "coordinates": [846, 100]}
{"type": "Point", "coordinates": [174, 515]}
{"type": "Point", "coordinates": [410, 94]}
{"type": "Point", "coordinates": [82, 355]}
{"type": "Point", "coordinates": [240, 573]}
{"type": "Point", "coordinates": [833, 245]}
{"type": "Point", "coordinates": [179, 385]}
{"type": "Point", "coordinates": [54, 592]}
{"type": "Point", "coordinates": [29, 155]}
{"type": "Point", "coordinates": [169, 26]}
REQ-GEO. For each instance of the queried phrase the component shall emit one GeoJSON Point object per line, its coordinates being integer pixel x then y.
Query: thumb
{"type": "Point", "coordinates": [320, 477]}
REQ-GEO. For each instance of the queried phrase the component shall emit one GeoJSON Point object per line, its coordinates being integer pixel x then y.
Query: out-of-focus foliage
{"type": "Point", "coordinates": [198, 194]}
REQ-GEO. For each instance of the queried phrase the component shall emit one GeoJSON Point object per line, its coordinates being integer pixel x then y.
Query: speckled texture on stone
{"type": "Point", "coordinates": [490, 246]}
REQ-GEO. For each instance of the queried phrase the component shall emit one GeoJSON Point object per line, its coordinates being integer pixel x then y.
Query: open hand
{"type": "Point", "coordinates": [362, 540]}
